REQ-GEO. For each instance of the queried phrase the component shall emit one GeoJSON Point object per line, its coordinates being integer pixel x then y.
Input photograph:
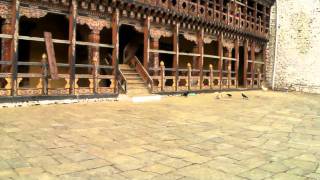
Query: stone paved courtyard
{"type": "Point", "coordinates": [270, 136]}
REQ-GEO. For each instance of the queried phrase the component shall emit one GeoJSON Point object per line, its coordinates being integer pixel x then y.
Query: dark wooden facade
{"type": "Point", "coordinates": [235, 31]}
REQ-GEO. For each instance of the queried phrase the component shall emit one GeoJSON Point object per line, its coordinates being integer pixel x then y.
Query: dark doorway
{"type": "Point", "coordinates": [241, 66]}
{"type": "Point", "coordinates": [130, 44]}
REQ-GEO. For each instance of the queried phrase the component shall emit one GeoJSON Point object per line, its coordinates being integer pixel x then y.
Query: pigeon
{"type": "Point", "coordinates": [244, 96]}
{"type": "Point", "coordinates": [185, 94]}
{"type": "Point", "coordinates": [229, 95]}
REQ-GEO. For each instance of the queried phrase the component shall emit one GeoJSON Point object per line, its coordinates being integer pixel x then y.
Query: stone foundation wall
{"type": "Point", "coordinates": [297, 59]}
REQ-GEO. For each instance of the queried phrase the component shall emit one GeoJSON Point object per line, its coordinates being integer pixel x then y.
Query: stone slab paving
{"type": "Point", "coordinates": [270, 136]}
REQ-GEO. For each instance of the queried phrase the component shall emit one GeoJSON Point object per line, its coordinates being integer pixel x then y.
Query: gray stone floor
{"type": "Point", "coordinates": [270, 136]}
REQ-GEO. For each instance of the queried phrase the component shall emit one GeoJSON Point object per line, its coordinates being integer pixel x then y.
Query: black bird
{"type": "Point", "coordinates": [229, 95]}
{"type": "Point", "coordinates": [244, 96]}
{"type": "Point", "coordinates": [185, 94]}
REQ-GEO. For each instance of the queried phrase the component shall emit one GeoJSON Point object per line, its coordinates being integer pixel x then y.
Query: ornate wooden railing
{"type": "Point", "coordinates": [239, 17]}
{"type": "Point", "coordinates": [142, 72]}
{"type": "Point", "coordinates": [122, 81]}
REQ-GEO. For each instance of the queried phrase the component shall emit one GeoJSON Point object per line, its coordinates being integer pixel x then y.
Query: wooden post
{"type": "Point", "coordinates": [236, 49]}
{"type": "Point", "coordinates": [221, 10]}
{"type": "Point", "coordinates": [200, 58]}
{"type": "Point", "coordinates": [115, 42]}
{"type": "Point", "coordinates": [154, 58]}
{"type": "Point", "coordinates": [94, 57]}
{"type": "Point", "coordinates": [176, 55]}
{"type": "Point", "coordinates": [146, 47]}
{"type": "Point", "coordinates": [253, 55]}
{"type": "Point", "coordinates": [229, 66]}
{"type": "Point", "coordinates": [220, 54]}
{"type": "Point", "coordinates": [255, 15]}
{"type": "Point", "coordinates": [14, 45]}
{"type": "Point", "coordinates": [211, 76]}
{"type": "Point", "coordinates": [245, 66]}
{"type": "Point", "coordinates": [6, 45]}
{"type": "Point", "coordinates": [162, 75]}
{"type": "Point", "coordinates": [44, 74]}
{"type": "Point", "coordinates": [189, 76]}
{"type": "Point", "coordinates": [264, 69]}
{"type": "Point", "coordinates": [246, 14]}
{"type": "Point", "coordinates": [264, 18]}
{"type": "Point", "coordinates": [72, 45]}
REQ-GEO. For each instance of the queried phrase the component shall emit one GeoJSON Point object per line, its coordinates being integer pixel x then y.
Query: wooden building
{"type": "Point", "coordinates": [114, 46]}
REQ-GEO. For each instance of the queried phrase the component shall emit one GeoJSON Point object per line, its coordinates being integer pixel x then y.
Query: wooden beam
{"type": "Point", "coordinates": [220, 54]}
{"type": "Point", "coordinates": [72, 45]}
{"type": "Point", "coordinates": [146, 43]}
{"type": "Point", "coordinates": [51, 56]}
{"type": "Point", "coordinates": [236, 50]}
{"type": "Point", "coordinates": [115, 43]}
{"type": "Point", "coordinates": [245, 66]}
{"type": "Point", "coordinates": [176, 55]}
{"type": "Point", "coordinates": [14, 45]}
{"type": "Point", "coordinates": [253, 57]}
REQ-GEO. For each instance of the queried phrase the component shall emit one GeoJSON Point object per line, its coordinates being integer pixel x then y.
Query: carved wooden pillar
{"type": "Point", "coordinates": [264, 69]}
{"type": "Point", "coordinates": [6, 45]}
{"type": "Point", "coordinates": [162, 76]}
{"type": "Point", "coordinates": [94, 56]}
{"type": "Point", "coordinates": [72, 45]}
{"type": "Point", "coordinates": [195, 63]}
{"type": "Point", "coordinates": [245, 66]}
{"type": "Point", "coordinates": [115, 43]}
{"type": "Point", "coordinates": [253, 57]}
{"type": "Point", "coordinates": [154, 58]}
{"type": "Point", "coordinates": [176, 55]}
{"type": "Point", "coordinates": [220, 54]}
{"type": "Point", "coordinates": [189, 76]}
{"type": "Point", "coordinates": [14, 45]}
{"type": "Point", "coordinates": [228, 65]}
{"type": "Point", "coordinates": [200, 58]}
{"type": "Point", "coordinates": [146, 41]}
{"type": "Point", "coordinates": [236, 49]}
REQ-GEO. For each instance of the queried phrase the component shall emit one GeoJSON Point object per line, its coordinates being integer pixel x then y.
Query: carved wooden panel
{"type": "Point", "coordinates": [94, 23]}
{"type": "Point", "coordinates": [4, 11]}
{"type": "Point", "coordinates": [32, 12]}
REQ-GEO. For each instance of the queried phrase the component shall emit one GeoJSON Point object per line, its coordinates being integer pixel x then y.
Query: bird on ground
{"type": "Point", "coordinates": [244, 96]}
{"type": "Point", "coordinates": [185, 94]}
{"type": "Point", "coordinates": [229, 95]}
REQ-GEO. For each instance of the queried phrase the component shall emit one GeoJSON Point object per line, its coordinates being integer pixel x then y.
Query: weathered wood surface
{"type": "Point", "coordinates": [51, 56]}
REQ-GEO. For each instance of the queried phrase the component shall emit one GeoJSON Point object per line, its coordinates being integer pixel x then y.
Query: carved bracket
{"type": "Point", "coordinates": [208, 39]}
{"type": "Point", "coordinates": [4, 11]}
{"type": "Point", "coordinates": [229, 44]}
{"type": "Point", "coordinates": [157, 33]}
{"type": "Point", "coordinates": [32, 12]}
{"type": "Point", "coordinates": [190, 37]}
{"type": "Point", "coordinates": [93, 23]}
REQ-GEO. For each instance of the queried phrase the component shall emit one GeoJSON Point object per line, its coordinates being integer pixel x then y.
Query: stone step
{"type": "Point", "coordinates": [130, 73]}
{"type": "Point", "coordinates": [134, 78]}
{"type": "Point", "coordinates": [127, 70]}
{"type": "Point", "coordinates": [136, 86]}
{"type": "Point", "coordinates": [135, 81]}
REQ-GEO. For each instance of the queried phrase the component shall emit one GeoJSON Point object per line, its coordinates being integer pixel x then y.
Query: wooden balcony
{"type": "Point", "coordinates": [252, 18]}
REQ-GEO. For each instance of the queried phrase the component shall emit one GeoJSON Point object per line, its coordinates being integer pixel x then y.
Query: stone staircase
{"type": "Point", "coordinates": [135, 84]}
